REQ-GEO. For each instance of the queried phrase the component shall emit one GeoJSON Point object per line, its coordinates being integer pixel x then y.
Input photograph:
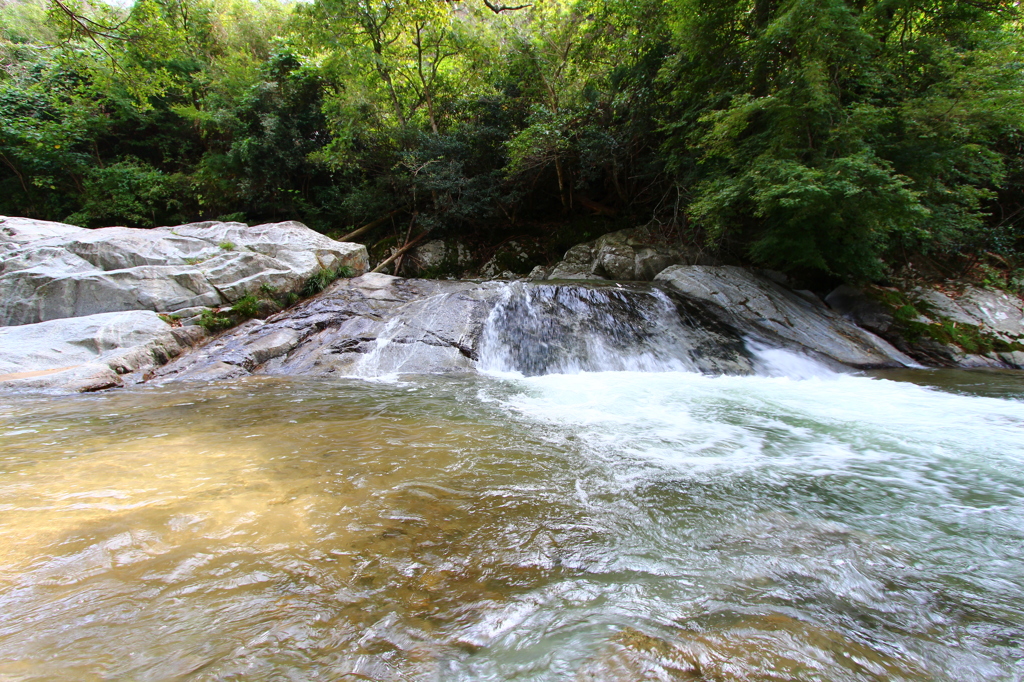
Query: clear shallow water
{"type": "Point", "coordinates": [603, 526]}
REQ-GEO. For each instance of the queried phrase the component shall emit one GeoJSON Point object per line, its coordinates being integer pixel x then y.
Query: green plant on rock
{"type": "Point", "coordinates": [212, 322]}
{"type": "Point", "coordinates": [323, 278]}
{"type": "Point", "coordinates": [246, 307]}
{"type": "Point", "coordinates": [914, 321]}
{"type": "Point", "coordinates": [227, 246]}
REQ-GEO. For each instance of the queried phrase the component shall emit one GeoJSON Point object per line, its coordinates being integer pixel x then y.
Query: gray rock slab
{"type": "Point", "coordinates": [996, 310]}
{"type": "Point", "coordinates": [367, 326]}
{"type": "Point", "coordinates": [51, 271]}
{"type": "Point", "coordinates": [856, 306]}
{"type": "Point", "coordinates": [378, 325]}
{"type": "Point", "coordinates": [91, 352]}
{"type": "Point", "coordinates": [753, 301]}
{"type": "Point", "coordinates": [938, 304]}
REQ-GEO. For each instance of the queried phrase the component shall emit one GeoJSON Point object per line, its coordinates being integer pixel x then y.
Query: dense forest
{"type": "Point", "coordinates": [824, 138]}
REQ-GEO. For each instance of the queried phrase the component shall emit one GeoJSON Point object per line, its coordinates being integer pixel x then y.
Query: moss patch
{"type": "Point", "coordinates": [968, 337]}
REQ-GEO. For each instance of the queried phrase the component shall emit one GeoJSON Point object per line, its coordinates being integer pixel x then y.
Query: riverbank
{"type": "Point", "coordinates": [95, 309]}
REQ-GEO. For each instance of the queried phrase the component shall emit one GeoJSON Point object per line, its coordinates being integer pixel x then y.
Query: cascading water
{"type": "Point", "coordinates": [538, 329]}
{"type": "Point", "coordinates": [614, 497]}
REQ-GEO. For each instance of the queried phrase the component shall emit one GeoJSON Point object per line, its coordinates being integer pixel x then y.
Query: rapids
{"type": "Point", "coordinates": [626, 490]}
{"type": "Point", "coordinates": [590, 526]}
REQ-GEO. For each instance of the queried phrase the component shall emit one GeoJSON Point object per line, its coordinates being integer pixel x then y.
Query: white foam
{"type": "Point", "coordinates": [778, 362]}
{"type": "Point", "coordinates": [695, 425]}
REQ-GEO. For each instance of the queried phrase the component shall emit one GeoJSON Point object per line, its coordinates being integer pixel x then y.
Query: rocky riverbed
{"type": "Point", "coordinates": [93, 309]}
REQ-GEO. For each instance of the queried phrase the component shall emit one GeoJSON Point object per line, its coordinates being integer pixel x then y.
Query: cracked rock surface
{"type": "Point", "coordinates": [367, 326]}
{"type": "Point", "coordinates": [51, 271]}
{"type": "Point", "coordinates": [90, 353]}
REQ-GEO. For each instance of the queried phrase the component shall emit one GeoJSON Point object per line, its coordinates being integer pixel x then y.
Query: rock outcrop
{"type": "Point", "coordinates": [378, 325]}
{"type": "Point", "coordinates": [977, 328]}
{"type": "Point", "coordinates": [765, 309]}
{"type": "Point", "coordinates": [628, 255]}
{"type": "Point", "coordinates": [90, 353]}
{"type": "Point", "coordinates": [79, 308]}
{"type": "Point", "coordinates": [50, 271]}
{"type": "Point", "coordinates": [368, 326]}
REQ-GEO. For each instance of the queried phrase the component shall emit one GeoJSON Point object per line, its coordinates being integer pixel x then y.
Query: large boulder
{"type": "Point", "coordinates": [635, 254]}
{"type": "Point", "coordinates": [379, 325]}
{"type": "Point", "coordinates": [512, 260]}
{"type": "Point", "coordinates": [578, 263]}
{"type": "Point", "coordinates": [371, 325]}
{"type": "Point", "coordinates": [441, 258]}
{"type": "Point", "coordinates": [89, 353]}
{"type": "Point", "coordinates": [765, 308]}
{"type": "Point", "coordinates": [861, 309]}
{"type": "Point", "coordinates": [51, 271]}
{"type": "Point", "coordinates": [994, 311]}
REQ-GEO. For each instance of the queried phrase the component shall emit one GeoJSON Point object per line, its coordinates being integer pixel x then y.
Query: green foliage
{"type": "Point", "coordinates": [323, 278]}
{"type": "Point", "coordinates": [821, 137]}
{"type": "Point", "coordinates": [212, 322]}
{"type": "Point", "coordinates": [246, 307]}
{"type": "Point", "coordinates": [129, 192]}
{"type": "Point", "coordinates": [226, 246]}
{"type": "Point", "coordinates": [829, 131]}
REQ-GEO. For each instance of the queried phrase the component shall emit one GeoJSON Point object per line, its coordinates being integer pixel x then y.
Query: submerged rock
{"type": "Point", "coordinates": [90, 353]}
{"type": "Point", "coordinates": [51, 271]}
{"type": "Point", "coordinates": [738, 646]}
{"type": "Point", "coordinates": [765, 309]}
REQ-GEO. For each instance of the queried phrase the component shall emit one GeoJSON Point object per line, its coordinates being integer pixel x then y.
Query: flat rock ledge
{"type": "Point", "coordinates": [90, 353]}
{"type": "Point", "coordinates": [51, 271]}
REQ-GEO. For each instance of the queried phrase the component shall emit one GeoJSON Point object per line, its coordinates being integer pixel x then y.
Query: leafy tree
{"type": "Point", "coordinates": [826, 131]}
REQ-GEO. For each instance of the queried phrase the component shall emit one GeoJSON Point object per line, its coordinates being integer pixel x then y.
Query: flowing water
{"type": "Point", "coordinates": [615, 525]}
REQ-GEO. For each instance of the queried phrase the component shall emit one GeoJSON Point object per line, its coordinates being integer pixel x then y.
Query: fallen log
{"type": "Point", "coordinates": [396, 254]}
{"type": "Point", "coordinates": [369, 226]}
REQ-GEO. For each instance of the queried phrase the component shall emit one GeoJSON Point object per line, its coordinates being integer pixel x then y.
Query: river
{"type": "Point", "coordinates": [590, 526]}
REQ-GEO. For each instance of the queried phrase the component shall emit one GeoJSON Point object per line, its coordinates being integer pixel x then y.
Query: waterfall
{"type": "Point", "coordinates": [537, 329]}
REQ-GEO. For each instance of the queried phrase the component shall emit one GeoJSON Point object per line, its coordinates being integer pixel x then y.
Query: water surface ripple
{"type": "Point", "coordinates": [594, 526]}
